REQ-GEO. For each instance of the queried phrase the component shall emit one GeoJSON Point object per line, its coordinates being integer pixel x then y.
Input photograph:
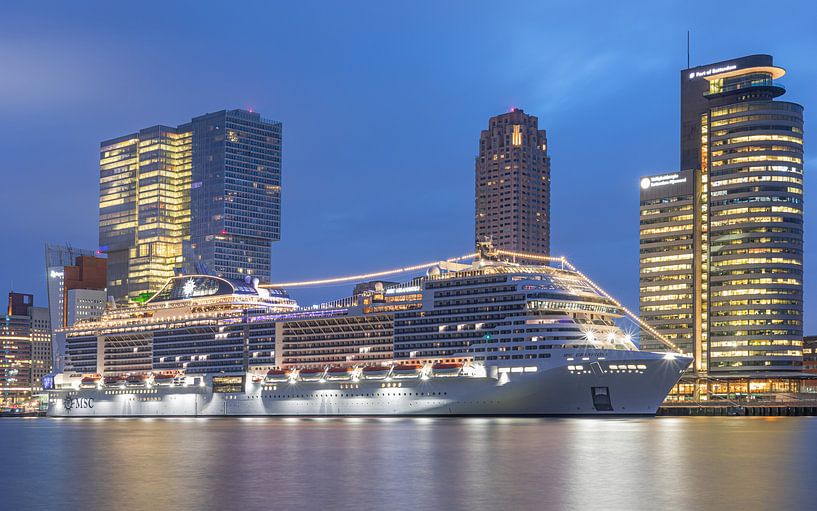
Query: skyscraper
{"type": "Point", "coordinates": [204, 195]}
{"type": "Point", "coordinates": [513, 184]}
{"type": "Point", "coordinates": [144, 208]}
{"type": "Point", "coordinates": [236, 193]}
{"type": "Point", "coordinates": [744, 150]}
{"type": "Point", "coordinates": [666, 251]}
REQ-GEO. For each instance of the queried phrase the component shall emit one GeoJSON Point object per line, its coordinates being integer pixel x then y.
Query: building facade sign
{"type": "Point", "coordinates": [712, 71]}
{"type": "Point", "coordinates": [662, 180]}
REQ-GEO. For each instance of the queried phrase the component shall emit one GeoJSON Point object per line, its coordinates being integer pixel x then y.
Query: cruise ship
{"type": "Point", "coordinates": [503, 334]}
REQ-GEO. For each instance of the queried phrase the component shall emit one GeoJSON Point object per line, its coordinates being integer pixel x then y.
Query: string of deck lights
{"type": "Point", "coordinates": [566, 263]}
{"type": "Point", "coordinates": [627, 311]}
{"type": "Point", "coordinates": [367, 276]}
{"type": "Point", "coordinates": [521, 255]}
{"type": "Point", "coordinates": [532, 257]}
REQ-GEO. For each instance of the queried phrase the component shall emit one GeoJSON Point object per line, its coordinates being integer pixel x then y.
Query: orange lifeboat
{"type": "Point", "coordinates": [164, 379]}
{"type": "Point", "coordinates": [136, 380]}
{"type": "Point", "coordinates": [446, 369]}
{"type": "Point", "coordinates": [375, 372]}
{"type": "Point", "coordinates": [114, 381]}
{"type": "Point", "coordinates": [339, 373]}
{"type": "Point", "coordinates": [276, 375]}
{"type": "Point", "coordinates": [311, 374]}
{"type": "Point", "coordinates": [89, 382]}
{"type": "Point", "coordinates": [405, 371]}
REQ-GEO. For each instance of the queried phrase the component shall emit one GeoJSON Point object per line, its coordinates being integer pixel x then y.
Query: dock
{"type": "Point", "coordinates": [790, 407]}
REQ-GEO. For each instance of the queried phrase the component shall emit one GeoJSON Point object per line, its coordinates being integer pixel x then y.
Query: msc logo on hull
{"type": "Point", "coordinates": [70, 403]}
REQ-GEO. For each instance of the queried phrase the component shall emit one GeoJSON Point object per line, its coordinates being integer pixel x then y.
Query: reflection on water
{"type": "Point", "coordinates": [316, 464]}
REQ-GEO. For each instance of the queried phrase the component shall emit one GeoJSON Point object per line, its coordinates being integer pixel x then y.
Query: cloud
{"type": "Point", "coordinates": [46, 74]}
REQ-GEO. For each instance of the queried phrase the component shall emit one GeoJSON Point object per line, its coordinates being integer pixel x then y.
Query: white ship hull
{"type": "Point", "coordinates": [552, 389]}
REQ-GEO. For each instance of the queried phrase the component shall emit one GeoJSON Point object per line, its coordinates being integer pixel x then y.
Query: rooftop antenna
{"type": "Point", "coordinates": [688, 65]}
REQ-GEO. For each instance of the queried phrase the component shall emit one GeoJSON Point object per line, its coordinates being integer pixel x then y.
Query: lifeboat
{"type": "Point", "coordinates": [375, 372]}
{"type": "Point", "coordinates": [311, 374]}
{"type": "Point", "coordinates": [278, 375]}
{"type": "Point", "coordinates": [89, 382]}
{"type": "Point", "coordinates": [446, 369]}
{"type": "Point", "coordinates": [405, 371]}
{"type": "Point", "coordinates": [339, 373]}
{"type": "Point", "coordinates": [136, 380]}
{"type": "Point", "coordinates": [114, 381]}
{"type": "Point", "coordinates": [164, 379]}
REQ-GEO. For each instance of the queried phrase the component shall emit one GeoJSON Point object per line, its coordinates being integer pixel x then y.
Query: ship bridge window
{"type": "Point", "coordinates": [638, 368]}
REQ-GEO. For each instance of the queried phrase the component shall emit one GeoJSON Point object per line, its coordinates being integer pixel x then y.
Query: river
{"type": "Point", "coordinates": [719, 463]}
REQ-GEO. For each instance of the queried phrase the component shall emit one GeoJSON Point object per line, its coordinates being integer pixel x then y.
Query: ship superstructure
{"type": "Point", "coordinates": [496, 336]}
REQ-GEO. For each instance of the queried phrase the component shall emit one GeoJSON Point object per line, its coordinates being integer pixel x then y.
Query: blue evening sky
{"type": "Point", "coordinates": [382, 104]}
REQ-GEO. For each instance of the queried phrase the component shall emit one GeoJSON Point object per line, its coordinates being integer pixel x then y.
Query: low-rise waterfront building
{"type": "Point", "coordinates": [25, 353]}
{"type": "Point", "coordinates": [76, 281]}
{"type": "Point", "coordinates": [810, 363]}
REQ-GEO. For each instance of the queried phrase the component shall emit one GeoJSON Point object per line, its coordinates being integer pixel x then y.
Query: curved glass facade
{"type": "Point", "coordinates": [722, 240]}
{"type": "Point", "coordinates": [755, 234]}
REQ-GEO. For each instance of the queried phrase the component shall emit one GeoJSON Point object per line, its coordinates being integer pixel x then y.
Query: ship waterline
{"type": "Point", "coordinates": [490, 338]}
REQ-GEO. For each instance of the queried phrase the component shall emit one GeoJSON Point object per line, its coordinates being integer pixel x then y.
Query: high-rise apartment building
{"type": "Point", "coordinates": [513, 184]}
{"type": "Point", "coordinates": [76, 281]}
{"type": "Point", "coordinates": [742, 151]}
{"type": "Point", "coordinates": [204, 195]}
{"type": "Point", "coordinates": [25, 357]}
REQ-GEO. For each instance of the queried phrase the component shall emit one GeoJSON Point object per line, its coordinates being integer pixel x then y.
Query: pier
{"type": "Point", "coordinates": [784, 407]}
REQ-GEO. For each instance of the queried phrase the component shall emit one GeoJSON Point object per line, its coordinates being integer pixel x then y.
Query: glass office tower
{"type": "Point", "coordinates": [203, 197]}
{"type": "Point", "coordinates": [144, 208]}
{"type": "Point", "coordinates": [667, 279]}
{"type": "Point", "coordinates": [752, 180]}
{"type": "Point", "coordinates": [744, 148]}
{"type": "Point", "coordinates": [235, 194]}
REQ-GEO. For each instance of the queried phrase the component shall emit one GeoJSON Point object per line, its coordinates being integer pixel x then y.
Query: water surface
{"type": "Point", "coordinates": [721, 463]}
